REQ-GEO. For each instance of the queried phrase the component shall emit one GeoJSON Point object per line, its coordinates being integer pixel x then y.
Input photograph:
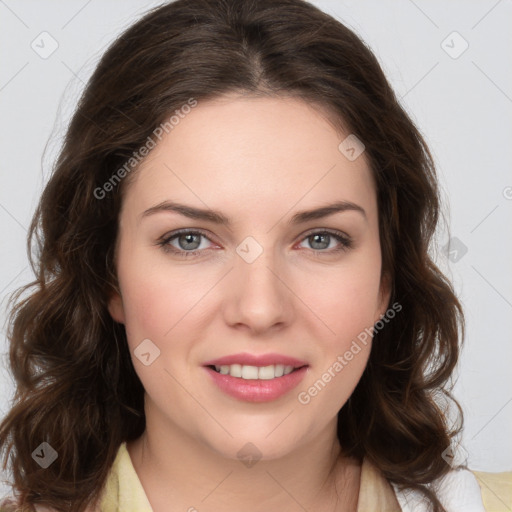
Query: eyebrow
{"type": "Point", "coordinates": [218, 218]}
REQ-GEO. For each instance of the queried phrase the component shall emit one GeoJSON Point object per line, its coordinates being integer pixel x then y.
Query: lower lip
{"type": "Point", "coordinates": [256, 390]}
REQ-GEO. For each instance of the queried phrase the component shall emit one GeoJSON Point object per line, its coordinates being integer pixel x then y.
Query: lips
{"type": "Point", "coordinates": [257, 360]}
{"type": "Point", "coordinates": [256, 378]}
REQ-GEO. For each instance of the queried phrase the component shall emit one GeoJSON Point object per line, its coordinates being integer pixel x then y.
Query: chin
{"type": "Point", "coordinates": [256, 443]}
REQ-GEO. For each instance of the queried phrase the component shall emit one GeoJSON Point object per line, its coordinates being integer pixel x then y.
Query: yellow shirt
{"type": "Point", "coordinates": [461, 491]}
{"type": "Point", "coordinates": [123, 491]}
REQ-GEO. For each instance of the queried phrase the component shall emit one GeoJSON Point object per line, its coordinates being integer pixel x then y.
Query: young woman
{"type": "Point", "coordinates": [234, 305]}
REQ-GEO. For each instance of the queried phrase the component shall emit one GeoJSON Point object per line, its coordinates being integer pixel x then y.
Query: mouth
{"type": "Point", "coordinates": [253, 378]}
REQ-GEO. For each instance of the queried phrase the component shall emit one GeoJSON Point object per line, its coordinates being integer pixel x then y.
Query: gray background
{"type": "Point", "coordinates": [461, 101]}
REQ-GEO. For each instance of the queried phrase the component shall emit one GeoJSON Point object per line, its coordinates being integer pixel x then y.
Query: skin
{"type": "Point", "coordinates": [258, 161]}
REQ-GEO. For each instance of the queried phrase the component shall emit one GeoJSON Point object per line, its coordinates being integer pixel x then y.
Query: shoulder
{"type": "Point", "coordinates": [496, 490]}
{"type": "Point", "coordinates": [11, 504]}
{"type": "Point", "coordinates": [457, 490]}
{"type": "Point", "coordinates": [8, 504]}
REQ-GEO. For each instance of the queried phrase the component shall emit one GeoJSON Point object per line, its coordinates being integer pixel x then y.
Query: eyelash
{"type": "Point", "coordinates": [344, 240]}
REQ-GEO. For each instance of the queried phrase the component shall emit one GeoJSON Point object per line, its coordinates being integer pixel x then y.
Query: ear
{"type": "Point", "coordinates": [116, 308]}
{"type": "Point", "coordinates": [384, 295]}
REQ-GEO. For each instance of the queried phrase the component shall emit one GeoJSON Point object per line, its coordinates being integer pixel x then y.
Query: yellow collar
{"type": "Point", "coordinates": [124, 492]}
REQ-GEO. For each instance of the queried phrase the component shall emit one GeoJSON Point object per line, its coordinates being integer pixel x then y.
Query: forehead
{"type": "Point", "coordinates": [252, 153]}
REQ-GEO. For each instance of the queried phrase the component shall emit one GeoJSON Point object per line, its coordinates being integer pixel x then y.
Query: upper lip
{"type": "Point", "coordinates": [256, 360]}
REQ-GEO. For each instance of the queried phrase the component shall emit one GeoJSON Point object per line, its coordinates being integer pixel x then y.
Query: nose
{"type": "Point", "coordinates": [257, 298]}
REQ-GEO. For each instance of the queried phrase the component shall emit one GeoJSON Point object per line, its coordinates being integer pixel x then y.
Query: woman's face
{"type": "Point", "coordinates": [260, 281]}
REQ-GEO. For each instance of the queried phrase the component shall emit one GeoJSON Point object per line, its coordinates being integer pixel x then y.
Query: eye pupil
{"type": "Point", "coordinates": [191, 241]}
{"type": "Point", "coordinates": [320, 238]}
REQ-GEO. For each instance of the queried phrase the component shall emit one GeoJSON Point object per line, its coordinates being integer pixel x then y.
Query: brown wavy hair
{"type": "Point", "coordinates": [76, 387]}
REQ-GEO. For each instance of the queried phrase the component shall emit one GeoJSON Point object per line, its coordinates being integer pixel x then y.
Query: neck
{"type": "Point", "coordinates": [175, 468]}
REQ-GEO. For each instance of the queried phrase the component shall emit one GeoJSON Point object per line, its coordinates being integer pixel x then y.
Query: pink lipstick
{"type": "Point", "coordinates": [256, 378]}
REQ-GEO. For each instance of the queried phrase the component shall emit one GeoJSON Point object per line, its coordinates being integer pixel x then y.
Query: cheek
{"type": "Point", "coordinates": [158, 307]}
{"type": "Point", "coordinates": [328, 390]}
{"type": "Point", "coordinates": [347, 308]}
{"type": "Point", "coordinates": [145, 303]}
{"type": "Point", "coordinates": [347, 302]}
{"type": "Point", "coordinates": [345, 299]}
{"type": "Point", "coordinates": [156, 297]}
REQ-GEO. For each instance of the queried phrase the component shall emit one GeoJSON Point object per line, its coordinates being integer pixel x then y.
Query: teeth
{"type": "Point", "coordinates": [255, 372]}
{"type": "Point", "coordinates": [288, 369]}
{"type": "Point", "coordinates": [235, 370]}
{"type": "Point", "coordinates": [250, 372]}
{"type": "Point", "coordinates": [266, 372]}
